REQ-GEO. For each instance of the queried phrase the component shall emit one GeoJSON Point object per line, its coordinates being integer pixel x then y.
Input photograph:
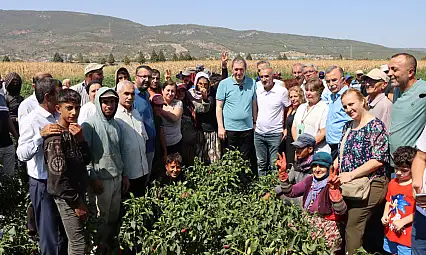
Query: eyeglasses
{"type": "Point", "coordinates": [145, 77]}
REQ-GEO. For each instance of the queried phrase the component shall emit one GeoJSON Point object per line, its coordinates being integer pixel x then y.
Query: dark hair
{"type": "Point", "coordinates": [315, 85]}
{"type": "Point", "coordinates": [170, 83]}
{"type": "Point", "coordinates": [404, 156]}
{"type": "Point", "coordinates": [143, 67]}
{"type": "Point", "coordinates": [87, 88]}
{"type": "Point", "coordinates": [175, 157]}
{"type": "Point", "coordinates": [45, 86]}
{"type": "Point", "coordinates": [155, 71]}
{"type": "Point", "coordinates": [69, 96]}
{"type": "Point", "coordinates": [38, 76]}
{"type": "Point", "coordinates": [239, 59]}
{"type": "Point", "coordinates": [410, 59]}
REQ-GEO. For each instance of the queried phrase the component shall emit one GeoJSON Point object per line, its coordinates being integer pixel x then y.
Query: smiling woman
{"type": "Point", "coordinates": [364, 152]}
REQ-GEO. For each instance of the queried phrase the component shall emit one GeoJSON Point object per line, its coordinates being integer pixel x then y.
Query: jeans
{"type": "Point", "coordinates": [53, 239]}
{"type": "Point", "coordinates": [243, 141]}
{"type": "Point", "coordinates": [418, 234]}
{"type": "Point", "coordinates": [266, 150]}
{"type": "Point", "coordinates": [73, 227]}
{"type": "Point", "coordinates": [7, 159]}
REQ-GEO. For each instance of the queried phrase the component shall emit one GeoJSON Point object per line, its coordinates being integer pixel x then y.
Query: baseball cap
{"type": "Point", "coordinates": [109, 93]}
{"type": "Point", "coordinates": [376, 74]}
{"type": "Point", "coordinates": [323, 159]}
{"type": "Point", "coordinates": [384, 68]}
{"type": "Point", "coordinates": [92, 67]}
{"type": "Point", "coordinates": [347, 77]}
{"type": "Point", "coordinates": [304, 140]}
{"type": "Point", "coordinates": [157, 99]}
{"type": "Point", "coordinates": [359, 72]}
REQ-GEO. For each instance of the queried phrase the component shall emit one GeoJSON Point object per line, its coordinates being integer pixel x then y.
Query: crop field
{"type": "Point", "coordinates": [74, 71]}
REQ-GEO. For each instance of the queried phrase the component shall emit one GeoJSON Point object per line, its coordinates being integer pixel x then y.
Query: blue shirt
{"type": "Point", "coordinates": [237, 103]}
{"type": "Point", "coordinates": [337, 117]}
{"type": "Point", "coordinates": [143, 106]}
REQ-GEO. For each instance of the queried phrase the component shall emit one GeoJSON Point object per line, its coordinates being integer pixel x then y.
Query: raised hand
{"type": "Point", "coordinates": [224, 58]}
{"type": "Point", "coordinates": [167, 75]}
{"type": "Point", "coordinates": [333, 179]}
{"type": "Point", "coordinates": [282, 167]}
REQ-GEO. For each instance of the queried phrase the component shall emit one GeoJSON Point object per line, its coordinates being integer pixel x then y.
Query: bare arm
{"type": "Point", "coordinates": [254, 110]}
{"type": "Point", "coordinates": [294, 132]}
{"type": "Point", "coordinates": [219, 116]}
{"type": "Point", "coordinates": [320, 136]}
{"type": "Point", "coordinates": [13, 129]}
{"type": "Point", "coordinates": [417, 171]}
{"type": "Point", "coordinates": [363, 170]}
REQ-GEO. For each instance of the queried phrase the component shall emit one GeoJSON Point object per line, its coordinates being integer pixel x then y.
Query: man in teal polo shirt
{"type": "Point", "coordinates": [408, 115]}
{"type": "Point", "coordinates": [236, 111]}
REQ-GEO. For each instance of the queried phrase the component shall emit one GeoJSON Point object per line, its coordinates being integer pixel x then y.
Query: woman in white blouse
{"type": "Point", "coordinates": [311, 117]}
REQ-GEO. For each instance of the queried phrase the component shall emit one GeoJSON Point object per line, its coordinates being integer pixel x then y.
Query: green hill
{"type": "Point", "coordinates": [37, 35]}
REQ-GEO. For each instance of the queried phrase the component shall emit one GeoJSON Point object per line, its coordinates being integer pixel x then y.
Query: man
{"type": "Point", "coordinates": [13, 85]}
{"type": "Point", "coordinates": [297, 71]}
{"type": "Point", "coordinates": [155, 86]}
{"type": "Point", "coordinates": [37, 125]}
{"type": "Point", "coordinates": [31, 103]}
{"type": "Point", "coordinates": [309, 72]}
{"type": "Point", "coordinates": [236, 111]}
{"type": "Point", "coordinates": [89, 109]}
{"type": "Point", "coordinates": [263, 65]}
{"type": "Point", "coordinates": [357, 83]}
{"type": "Point", "coordinates": [106, 172]}
{"type": "Point", "coordinates": [408, 115]}
{"type": "Point", "coordinates": [135, 137]}
{"type": "Point", "coordinates": [379, 105]}
{"type": "Point", "coordinates": [67, 155]}
{"type": "Point", "coordinates": [389, 90]}
{"type": "Point", "coordinates": [92, 71]}
{"type": "Point", "coordinates": [143, 106]}
{"type": "Point", "coordinates": [272, 99]}
{"type": "Point", "coordinates": [337, 117]}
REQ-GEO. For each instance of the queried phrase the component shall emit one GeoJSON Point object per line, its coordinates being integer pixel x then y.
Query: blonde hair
{"type": "Point", "coordinates": [299, 91]}
{"type": "Point", "coordinates": [358, 94]}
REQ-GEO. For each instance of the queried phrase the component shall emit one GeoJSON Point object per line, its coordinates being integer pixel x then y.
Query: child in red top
{"type": "Point", "coordinates": [400, 205]}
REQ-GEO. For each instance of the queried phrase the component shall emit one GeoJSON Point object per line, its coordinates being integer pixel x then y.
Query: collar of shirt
{"type": "Point", "coordinates": [376, 100]}
{"type": "Point", "coordinates": [235, 81]}
{"type": "Point", "coordinates": [263, 90]}
{"type": "Point", "coordinates": [46, 114]}
{"type": "Point", "coordinates": [122, 109]}
{"type": "Point", "coordinates": [342, 90]}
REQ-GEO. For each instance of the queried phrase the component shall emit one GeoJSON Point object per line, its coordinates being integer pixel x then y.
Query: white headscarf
{"type": "Point", "coordinates": [197, 77]}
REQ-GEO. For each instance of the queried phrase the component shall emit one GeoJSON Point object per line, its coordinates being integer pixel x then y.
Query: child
{"type": "Point", "coordinates": [67, 155]}
{"type": "Point", "coordinates": [400, 205]}
{"type": "Point", "coordinates": [173, 169]}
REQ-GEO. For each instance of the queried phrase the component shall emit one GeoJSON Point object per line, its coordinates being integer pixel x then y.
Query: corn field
{"type": "Point", "coordinates": [75, 71]}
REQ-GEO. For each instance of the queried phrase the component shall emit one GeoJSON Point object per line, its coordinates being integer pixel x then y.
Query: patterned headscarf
{"type": "Point", "coordinates": [12, 76]}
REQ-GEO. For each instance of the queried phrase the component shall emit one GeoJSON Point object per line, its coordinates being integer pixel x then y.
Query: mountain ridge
{"type": "Point", "coordinates": [37, 35]}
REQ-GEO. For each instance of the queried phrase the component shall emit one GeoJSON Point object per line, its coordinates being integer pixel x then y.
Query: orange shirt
{"type": "Point", "coordinates": [402, 204]}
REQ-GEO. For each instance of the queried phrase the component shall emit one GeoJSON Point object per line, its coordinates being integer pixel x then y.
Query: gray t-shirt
{"type": "Point", "coordinates": [172, 130]}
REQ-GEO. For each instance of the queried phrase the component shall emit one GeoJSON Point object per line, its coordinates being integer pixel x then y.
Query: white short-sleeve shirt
{"type": "Point", "coordinates": [271, 106]}
{"type": "Point", "coordinates": [312, 121]}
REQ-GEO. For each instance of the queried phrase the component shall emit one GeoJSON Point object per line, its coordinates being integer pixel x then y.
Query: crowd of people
{"type": "Point", "coordinates": [351, 151]}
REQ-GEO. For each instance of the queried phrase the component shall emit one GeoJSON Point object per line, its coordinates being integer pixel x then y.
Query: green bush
{"type": "Point", "coordinates": [213, 212]}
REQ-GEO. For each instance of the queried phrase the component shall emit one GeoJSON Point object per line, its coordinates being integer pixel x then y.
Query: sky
{"type": "Point", "coordinates": [392, 23]}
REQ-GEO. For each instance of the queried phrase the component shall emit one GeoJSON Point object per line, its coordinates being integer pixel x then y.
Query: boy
{"type": "Point", "coordinates": [67, 155]}
{"type": "Point", "coordinates": [400, 205]}
{"type": "Point", "coordinates": [107, 178]}
{"type": "Point", "coordinates": [173, 169]}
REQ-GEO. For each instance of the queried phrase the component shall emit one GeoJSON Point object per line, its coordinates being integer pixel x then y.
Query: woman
{"type": "Point", "coordinates": [171, 114]}
{"type": "Point", "coordinates": [297, 98]}
{"type": "Point", "coordinates": [363, 151]}
{"type": "Point", "coordinates": [211, 148]}
{"type": "Point", "coordinates": [12, 86]}
{"type": "Point", "coordinates": [321, 194]}
{"type": "Point", "coordinates": [311, 117]}
{"type": "Point", "coordinates": [194, 101]}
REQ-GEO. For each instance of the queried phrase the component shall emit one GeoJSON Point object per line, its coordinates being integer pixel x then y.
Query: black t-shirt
{"type": "Point", "coordinates": [5, 139]}
{"type": "Point", "coordinates": [208, 120]}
